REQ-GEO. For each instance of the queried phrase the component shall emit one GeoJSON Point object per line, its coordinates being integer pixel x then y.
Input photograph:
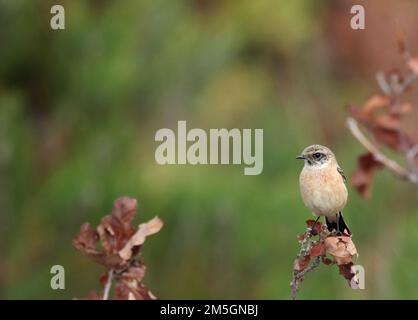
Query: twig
{"type": "Point", "coordinates": [392, 165]}
{"type": "Point", "coordinates": [410, 157]}
{"type": "Point", "coordinates": [299, 276]}
{"type": "Point", "coordinates": [108, 285]}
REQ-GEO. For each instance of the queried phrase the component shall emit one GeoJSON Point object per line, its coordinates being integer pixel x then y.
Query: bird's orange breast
{"type": "Point", "coordinates": [323, 190]}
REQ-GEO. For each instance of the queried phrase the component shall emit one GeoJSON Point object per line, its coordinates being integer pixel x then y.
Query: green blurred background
{"type": "Point", "coordinates": [79, 109]}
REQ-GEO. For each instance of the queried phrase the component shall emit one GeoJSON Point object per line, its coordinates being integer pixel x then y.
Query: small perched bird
{"type": "Point", "coordinates": [322, 185]}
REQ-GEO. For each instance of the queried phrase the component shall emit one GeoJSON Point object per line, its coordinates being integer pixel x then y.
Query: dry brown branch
{"type": "Point", "coordinates": [378, 123]}
{"type": "Point", "coordinates": [390, 164]}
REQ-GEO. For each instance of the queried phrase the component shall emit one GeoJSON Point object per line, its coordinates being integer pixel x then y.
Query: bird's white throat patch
{"type": "Point", "coordinates": [316, 166]}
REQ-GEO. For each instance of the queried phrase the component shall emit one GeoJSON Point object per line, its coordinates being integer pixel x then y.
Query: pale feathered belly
{"type": "Point", "coordinates": [323, 190]}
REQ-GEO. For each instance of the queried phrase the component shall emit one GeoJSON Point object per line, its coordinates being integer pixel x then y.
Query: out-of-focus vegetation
{"type": "Point", "coordinates": [79, 109]}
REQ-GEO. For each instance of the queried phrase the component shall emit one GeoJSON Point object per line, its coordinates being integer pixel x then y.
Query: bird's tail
{"type": "Point", "coordinates": [337, 222]}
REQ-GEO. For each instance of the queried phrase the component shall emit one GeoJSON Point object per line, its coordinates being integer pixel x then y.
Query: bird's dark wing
{"type": "Point", "coordinates": [341, 172]}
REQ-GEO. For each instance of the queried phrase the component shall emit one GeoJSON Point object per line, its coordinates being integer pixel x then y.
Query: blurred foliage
{"type": "Point", "coordinates": [78, 112]}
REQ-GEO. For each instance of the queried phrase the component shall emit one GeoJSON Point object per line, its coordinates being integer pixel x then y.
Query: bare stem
{"type": "Point", "coordinates": [108, 285]}
{"type": "Point", "coordinates": [299, 276]}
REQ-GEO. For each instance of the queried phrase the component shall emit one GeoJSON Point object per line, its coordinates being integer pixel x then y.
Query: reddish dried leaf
{"type": "Point", "coordinates": [301, 263]}
{"type": "Point", "coordinates": [346, 270]}
{"type": "Point", "coordinates": [124, 291]}
{"type": "Point", "coordinates": [135, 272]}
{"type": "Point", "coordinates": [362, 178]}
{"type": "Point", "coordinates": [118, 239]}
{"type": "Point", "coordinates": [115, 229]}
{"type": "Point", "coordinates": [318, 226]}
{"type": "Point", "coordinates": [318, 249]}
{"type": "Point", "coordinates": [374, 103]}
{"type": "Point", "coordinates": [103, 279]}
{"type": "Point", "coordinates": [327, 261]}
{"type": "Point", "coordinates": [124, 210]}
{"type": "Point", "coordinates": [130, 287]}
{"type": "Point", "coordinates": [93, 295]}
{"type": "Point", "coordinates": [389, 121]}
{"type": "Point", "coordinates": [86, 239]}
{"type": "Point", "coordinates": [390, 137]}
{"type": "Point", "coordinates": [404, 108]}
{"type": "Point", "coordinates": [144, 230]}
{"type": "Point", "coordinates": [341, 248]}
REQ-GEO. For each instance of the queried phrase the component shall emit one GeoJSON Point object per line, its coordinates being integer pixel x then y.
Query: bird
{"type": "Point", "coordinates": [323, 187]}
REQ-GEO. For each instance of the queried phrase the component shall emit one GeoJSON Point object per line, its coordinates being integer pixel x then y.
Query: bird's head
{"type": "Point", "coordinates": [317, 155]}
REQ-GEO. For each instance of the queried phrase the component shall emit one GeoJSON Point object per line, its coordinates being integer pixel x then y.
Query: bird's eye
{"type": "Point", "coordinates": [317, 155]}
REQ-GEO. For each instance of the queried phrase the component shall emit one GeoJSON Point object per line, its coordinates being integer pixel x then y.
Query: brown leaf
{"type": "Point", "coordinates": [374, 103]}
{"type": "Point", "coordinates": [144, 230]}
{"type": "Point", "coordinates": [390, 121]}
{"type": "Point", "coordinates": [112, 233]}
{"type": "Point", "coordinates": [130, 287]}
{"type": "Point", "coordinates": [318, 226]}
{"type": "Point", "coordinates": [93, 295]}
{"type": "Point", "coordinates": [362, 178]}
{"type": "Point", "coordinates": [86, 239]}
{"type": "Point", "coordinates": [114, 243]}
{"type": "Point", "coordinates": [301, 263]}
{"type": "Point", "coordinates": [124, 210]}
{"type": "Point", "coordinates": [389, 137]}
{"type": "Point", "coordinates": [404, 108]}
{"type": "Point", "coordinates": [326, 260]}
{"type": "Point", "coordinates": [346, 270]}
{"type": "Point", "coordinates": [318, 249]}
{"type": "Point", "coordinates": [115, 229]}
{"type": "Point", "coordinates": [341, 248]}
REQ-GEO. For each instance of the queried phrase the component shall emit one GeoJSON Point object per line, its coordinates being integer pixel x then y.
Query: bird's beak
{"type": "Point", "coordinates": [300, 157]}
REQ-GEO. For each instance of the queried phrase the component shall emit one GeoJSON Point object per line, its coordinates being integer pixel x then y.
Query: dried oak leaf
{"type": "Point", "coordinates": [373, 104]}
{"type": "Point", "coordinates": [93, 295]}
{"type": "Point", "coordinates": [362, 178]}
{"type": "Point", "coordinates": [144, 230]}
{"type": "Point", "coordinates": [318, 249]}
{"type": "Point", "coordinates": [387, 132]}
{"type": "Point", "coordinates": [301, 263]}
{"type": "Point", "coordinates": [318, 226]}
{"type": "Point", "coordinates": [341, 248]}
{"type": "Point", "coordinates": [326, 261]}
{"type": "Point", "coordinates": [115, 229]}
{"type": "Point", "coordinates": [129, 285]}
{"type": "Point", "coordinates": [389, 121]}
{"type": "Point", "coordinates": [86, 242]}
{"type": "Point", "coordinates": [348, 272]}
{"type": "Point", "coordinates": [115, 234]}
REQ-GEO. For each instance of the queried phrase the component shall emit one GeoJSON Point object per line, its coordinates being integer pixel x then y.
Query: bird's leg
{"type": "Point", "coordinates": [313, 226]}
{"type": "Point", "coordinates": [338, 225]}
